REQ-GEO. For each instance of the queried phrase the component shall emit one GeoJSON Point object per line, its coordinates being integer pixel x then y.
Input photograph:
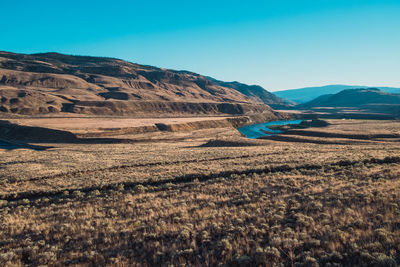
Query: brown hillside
{"type": "Point", "coordinates": [52, 82]}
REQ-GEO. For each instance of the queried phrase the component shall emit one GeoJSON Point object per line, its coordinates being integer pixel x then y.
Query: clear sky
{"type": "Point", "coordinates": [277, 44]}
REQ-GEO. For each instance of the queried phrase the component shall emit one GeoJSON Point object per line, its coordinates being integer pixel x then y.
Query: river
{"type": "Point", "coordinates": [254, 131]}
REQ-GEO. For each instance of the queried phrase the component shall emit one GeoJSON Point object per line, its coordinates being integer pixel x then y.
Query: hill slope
{"type": "Point", "coordinates": [256, 93]}
{"type": "Point", "coordinates": [307, 94]}
{"type": "Point", "coordinates": [367, 99]}
{"type": "Point", "coordinates": [52, 82]}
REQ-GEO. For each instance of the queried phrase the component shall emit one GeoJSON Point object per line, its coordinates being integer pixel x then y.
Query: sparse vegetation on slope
{"type": "Point", "coordinates": [52, 82]}
{"type": "Point", "coordinates": [303, 95]}
{"type": "Point", "coordinates": [363, 100]}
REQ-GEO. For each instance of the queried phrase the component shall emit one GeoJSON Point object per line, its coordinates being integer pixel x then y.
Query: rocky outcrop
{"type": "Point", "coordinates": [157, 108]}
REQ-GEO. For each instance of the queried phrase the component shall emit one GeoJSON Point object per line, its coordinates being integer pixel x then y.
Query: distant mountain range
{"type": "Point", "coordinates": [53, 82]}
{"type": "Point", "coordinates": [306, 94]}
{"type": "Point", "coordinates": [364, 99]}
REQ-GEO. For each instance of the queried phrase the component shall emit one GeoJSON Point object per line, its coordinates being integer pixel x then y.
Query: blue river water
{"type": "Point", "coordinates": [254, 131]}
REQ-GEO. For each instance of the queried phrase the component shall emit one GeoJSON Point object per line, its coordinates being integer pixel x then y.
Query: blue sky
{"type": "Point", "coordinates": [278, 44]}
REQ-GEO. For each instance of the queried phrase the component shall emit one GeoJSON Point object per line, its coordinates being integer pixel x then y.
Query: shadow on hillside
{"type": "Point", "coordinates": [14, 136]}
{"type": "Point", "coordinates": [8, 145]}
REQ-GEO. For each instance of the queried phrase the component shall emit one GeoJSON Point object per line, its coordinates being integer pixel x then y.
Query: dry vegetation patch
{"type": "Point", "coordinates": [277, 203]}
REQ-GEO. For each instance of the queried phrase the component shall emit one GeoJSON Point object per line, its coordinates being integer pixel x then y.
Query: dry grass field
{"type": "Point", "coordinates": [207, 197]}
{"type": "Point", "coordinates": [90, 123]}
{"type": "Point", "coordinates": [104, 125]}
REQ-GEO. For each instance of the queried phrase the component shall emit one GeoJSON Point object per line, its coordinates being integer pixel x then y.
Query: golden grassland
{"type": "Point", "coordinates": [177, 202]}
{"type": "Point", "coordinates": [90, 123]}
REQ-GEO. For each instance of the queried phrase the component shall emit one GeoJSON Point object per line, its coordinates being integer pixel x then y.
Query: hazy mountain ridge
{"type": "Point", "coordinates": [365, 99]}
{"type": "Point", "coordinates": [306, 94]}
{"type": "Point", "coordinates": [63, 83]}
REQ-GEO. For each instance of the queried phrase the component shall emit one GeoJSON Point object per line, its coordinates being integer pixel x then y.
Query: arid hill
{"type": "Point", "coordinates": [363, 99]}
{"type": "Point", "coordinates": [256, 93]}
{"type": "Point", "coordinates": [52, 82]}
{"type": "Point", "coordinates": [304, 95]}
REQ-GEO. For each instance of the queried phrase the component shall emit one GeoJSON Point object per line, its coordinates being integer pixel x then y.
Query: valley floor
{"type": "Point", "coordinates": [90, 123]}
{"type": "Point", "coordinates": [318, 196]}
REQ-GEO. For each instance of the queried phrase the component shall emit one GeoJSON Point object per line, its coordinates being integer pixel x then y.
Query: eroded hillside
{"type": "Point", "coordinates": [52, 82]}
